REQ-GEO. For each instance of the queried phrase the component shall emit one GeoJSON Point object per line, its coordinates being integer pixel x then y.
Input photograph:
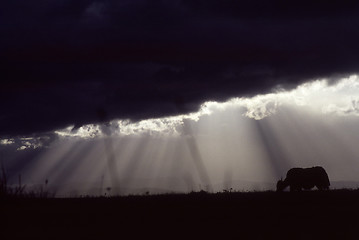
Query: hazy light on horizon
{"type": "Point", "coordinates": [244, 144]}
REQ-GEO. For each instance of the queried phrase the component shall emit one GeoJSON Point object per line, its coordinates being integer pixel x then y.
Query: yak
{"type": "Point", "coordinates": [304, 178]}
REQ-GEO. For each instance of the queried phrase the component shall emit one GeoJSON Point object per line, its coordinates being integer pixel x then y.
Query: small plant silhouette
{"type": "Point", "coordinates": [3, 182]}
{"type": "Point", "coordinates": [5, 189]}
{"type": "Point", "coordinates": [227, 191]}
{"type": "Point", "coordinates": [18, 191]}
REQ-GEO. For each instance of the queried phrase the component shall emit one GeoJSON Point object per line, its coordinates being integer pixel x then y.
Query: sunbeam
{"type": "Point", "coordinates": [242, 144]}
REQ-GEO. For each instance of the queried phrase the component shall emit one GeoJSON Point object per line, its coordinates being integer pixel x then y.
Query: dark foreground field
{"type": "Point", "coordinates": [258, 215]}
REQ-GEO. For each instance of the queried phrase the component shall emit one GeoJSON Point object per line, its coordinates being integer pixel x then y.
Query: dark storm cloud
{"type": "Point", "coordinates": [74, 62]}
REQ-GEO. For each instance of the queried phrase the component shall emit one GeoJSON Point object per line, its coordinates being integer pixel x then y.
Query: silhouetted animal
{"type": "Point", "coordinates": [306, 178]}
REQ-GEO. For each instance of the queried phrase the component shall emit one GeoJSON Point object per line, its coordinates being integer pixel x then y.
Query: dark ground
{"type": "Point", "coordinates": [253, 215]}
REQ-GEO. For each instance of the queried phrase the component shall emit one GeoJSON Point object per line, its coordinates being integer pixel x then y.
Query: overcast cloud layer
{"type": "Point", "coordinates": [78, 62]}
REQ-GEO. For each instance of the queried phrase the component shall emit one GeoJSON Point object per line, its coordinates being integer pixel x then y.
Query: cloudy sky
{"type": "Point", "coordinates": [177, 95]}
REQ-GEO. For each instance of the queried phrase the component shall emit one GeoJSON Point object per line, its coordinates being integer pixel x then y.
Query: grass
{"type": "Point", "coordinates": [6, 190]}
{"type": "Point", "coordinates": [19, 190]}
{"type": "Point", "coordinates": [228, 214]}
{"type": "Point", "coordinates": [236, 215]}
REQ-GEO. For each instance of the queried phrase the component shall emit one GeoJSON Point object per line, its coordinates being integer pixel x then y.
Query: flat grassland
{"type": "Point", "coordinates": [237, 215]}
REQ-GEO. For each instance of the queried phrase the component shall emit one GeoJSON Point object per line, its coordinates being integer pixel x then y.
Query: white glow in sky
{"type": "Point", "coordinates": [243, 143]}
{"type": "Point", "coordinates": [341, 98]}
{"type": "Point", "coordinates": [7, 141]}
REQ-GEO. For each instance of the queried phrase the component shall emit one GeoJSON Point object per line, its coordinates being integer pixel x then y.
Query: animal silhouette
{"type": "Point", "coordinates": [305, 178]}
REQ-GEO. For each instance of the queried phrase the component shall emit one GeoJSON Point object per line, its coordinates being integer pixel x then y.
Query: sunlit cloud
{"type": "Point", "coordinates": [86, 132]}
{"type": "Point", "coordinates": [155, 127]}
{"type": "Point", "coordinates": [318, 96]}
{"type": "Point", "coordinates": [7, 141]}
{"type": "Point", "coordinates": [340, 98]}
{"type": "Point", "coordinates": [30, 143]}
{"type": "Point", "coordinates": [345, 109]}
{"type": "Point", "coordinates": [243, 143]}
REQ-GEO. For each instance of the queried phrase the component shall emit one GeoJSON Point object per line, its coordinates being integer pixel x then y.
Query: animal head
{"type": "Point", "coordinates": [280, 185]}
